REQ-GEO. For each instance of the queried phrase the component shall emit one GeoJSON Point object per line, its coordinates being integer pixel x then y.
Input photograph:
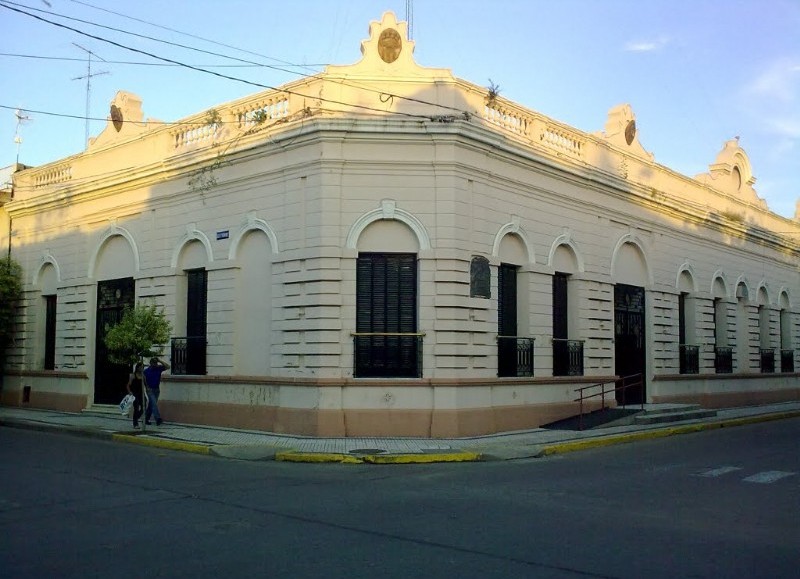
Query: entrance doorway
{"type": "Point", "coordinates": [629, 340]}
{"type": "Point", "coordinates": [109, 378]}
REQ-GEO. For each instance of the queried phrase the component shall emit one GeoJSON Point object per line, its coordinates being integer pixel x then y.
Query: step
{"type": "Point", "coordinates": [672, 415]}
{"type": "Point", "coordinates": [669, 408]}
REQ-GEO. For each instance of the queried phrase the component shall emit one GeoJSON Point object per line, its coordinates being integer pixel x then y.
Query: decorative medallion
{"type": "Point", "coordinates": [389, 45]}
{"type": "Point", "coordinates": [116, 117]}
{"type": "Point", "coordinates": [630, 132]}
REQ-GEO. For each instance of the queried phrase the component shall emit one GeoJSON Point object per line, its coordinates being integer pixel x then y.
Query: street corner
{"type": "Point", "coordinates": [501, 452]}
{"type": "Point", "coordinates": [247, 452]}
{"type": "Point", "coordinates": [378, 457]}
{"type": "Point", "coordinates": [145, 440]}
{"type": "Point", "coordinates": [624, 438]}
{"type": "Point", "coordinates": [663, 432]}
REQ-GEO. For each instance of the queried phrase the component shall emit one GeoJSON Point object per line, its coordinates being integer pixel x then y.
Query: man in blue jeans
{"type": "Point", "coordinates": [152, 380]}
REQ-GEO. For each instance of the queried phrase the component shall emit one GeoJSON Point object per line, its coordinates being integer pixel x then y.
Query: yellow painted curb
{"type": "Point", "coordinates": [293, 456]}
{"type": "Point", "coordinates": [576, 445]}
{"type": "Point", "coordinates": [422, 458]}
{"type": "Point", "coordinates": [161, 443]}
{"type": "Point", "coordinates": [320, 457]}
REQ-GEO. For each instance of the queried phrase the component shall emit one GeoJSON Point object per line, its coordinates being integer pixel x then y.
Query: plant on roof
{"type": "Point", "coordinates": [493, 92]}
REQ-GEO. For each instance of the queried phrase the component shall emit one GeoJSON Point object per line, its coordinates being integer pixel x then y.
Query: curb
{"type": "Point", "coordinates": [461, 455]}
{"type": "Point", "coordinates": [161, 443]}
{"type": "Point", "coordinates": [59, 428]}
{"type": "Point", "coordinates": [342, 458]}
{"type": "Point", "coordinates": [576, 445]}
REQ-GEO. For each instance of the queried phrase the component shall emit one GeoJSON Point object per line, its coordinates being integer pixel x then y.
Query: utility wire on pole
{"type": "Point", "coordinates": [410, 18]}
{"type": "Point", "coordinates": [88, 76]}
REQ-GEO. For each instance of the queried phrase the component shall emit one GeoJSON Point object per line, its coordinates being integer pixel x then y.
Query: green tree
{"type": "Point", "coordinates": [10, 293]}
{"type": "Point", "coordinates": [140, 334]}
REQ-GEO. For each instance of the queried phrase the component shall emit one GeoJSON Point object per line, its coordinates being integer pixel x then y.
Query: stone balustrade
{"type": "Point", "coordinates": [200, 132]}
{"type": "Point", "coordinates": [505, 117]}
{"type": "Point", "coordinates": [562, 140]}
{"type": "Point", "coordinates": [197, 135]}
{"type": "Point", "coordinates": [535, 127]}
{"type": "Point", "coordinates": [269, 109]}
{"type": "Point", "coordinates": [50, 175]}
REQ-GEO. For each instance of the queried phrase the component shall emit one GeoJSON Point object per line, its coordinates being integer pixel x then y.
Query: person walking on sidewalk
{"type": "Point", "coordinates": [152, 380]}
{"type": "Point", "coordinates": [135, 387]}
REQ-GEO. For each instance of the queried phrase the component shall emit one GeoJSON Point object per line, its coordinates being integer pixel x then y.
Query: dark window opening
{"type": "Point", "coordinates": [567, 354]}
{"type": "Point", "coordinates": [50, 332]}
{"type": "Point", "coordinates": [189, 352]}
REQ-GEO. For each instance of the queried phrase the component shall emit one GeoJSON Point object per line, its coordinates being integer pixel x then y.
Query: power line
{"type": "Point", "coordinates": [84, 118]}
{"type": "Point", "coordinates": [211, 72]}
{"type": "Point", "coordinates": [126, 62]}
{"type": "Point", "coordinates": [8, 3]}
{"type": "Point", "coordinates": [121, 15]}
{"type": "Point", "coordinates": [383, 95]}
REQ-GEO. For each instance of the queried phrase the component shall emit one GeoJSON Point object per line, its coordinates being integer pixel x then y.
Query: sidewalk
{"type": "Point", "coordinates": [256, 445]}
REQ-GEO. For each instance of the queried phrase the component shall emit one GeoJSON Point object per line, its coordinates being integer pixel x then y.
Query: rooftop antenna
{"type": "Point", "coordinates": [22, 119]}
{"type": "Point", "coordinates": [410, 18]}
{"type": "Point", "coordinates": [88, 76]}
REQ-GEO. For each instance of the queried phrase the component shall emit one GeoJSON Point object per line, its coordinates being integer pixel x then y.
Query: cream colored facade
{"type": "Point", "coordinates": [276, 196]}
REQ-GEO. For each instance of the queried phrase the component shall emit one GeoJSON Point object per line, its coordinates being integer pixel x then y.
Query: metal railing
{"type": "Point", "coordinates": [514, 356]}
{"type": "Point", "coordinates": [621, 385]}
{"type": "Point", "coordinates": [723, 359]}
{"type": "Point", "coordinates": [387, 354]}
{"type": "Point", "coordinates": [767, 361]}
{"type": "Point", "coordinates": [189, 355]}
{"type": "Point", "coordinates": [787, 360]}
{"type": "Point", "coordinates": [689, 359]}
{"type": "Point", "coordinates": [567, 357]}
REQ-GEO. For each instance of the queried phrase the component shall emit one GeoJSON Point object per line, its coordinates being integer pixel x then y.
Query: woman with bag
{"type": "Point", "coordinates": [135, 387]}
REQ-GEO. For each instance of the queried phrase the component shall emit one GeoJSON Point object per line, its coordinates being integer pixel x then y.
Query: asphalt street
{"type": "Point", "coordinates": [722, 503]}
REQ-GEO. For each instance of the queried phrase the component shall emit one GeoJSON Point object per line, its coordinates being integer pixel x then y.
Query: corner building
{"type": "Point", "coordinates": [384, 249]}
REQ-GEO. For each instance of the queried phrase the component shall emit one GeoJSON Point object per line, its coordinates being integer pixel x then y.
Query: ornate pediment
{"type": "Point", "coordinates": [622, 132]}
{"type": "Point", "coordinates": [387, 52]}
{"type": "Point", "coordinates": [125, 120]}
{"type": "Point", "coordinates": [731, 173]}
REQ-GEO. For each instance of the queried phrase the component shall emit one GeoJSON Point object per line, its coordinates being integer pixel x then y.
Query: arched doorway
{"type": "Point", "coordinates": [630, 356]}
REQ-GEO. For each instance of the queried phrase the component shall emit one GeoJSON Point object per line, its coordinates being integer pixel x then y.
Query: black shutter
{"type": "Point", "coordinates": [560, 307]}
{"type": "Point", "coordinates": [507, 300]}
{"type": "Point", "coordinates": [196, 321]}
{"type": "Point", "coordinates": [560, 326]}
{"type": "Point", "coordinates": [50, 332]}
{"type": "Point", "coordinates": [386, 303]}
{"type": "Point", "coordinates": [507, 320]}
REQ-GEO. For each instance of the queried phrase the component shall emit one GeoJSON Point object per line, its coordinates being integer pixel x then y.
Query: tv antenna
{"type": "Point", "coordinates": [22, 119]}
{"type": "Point", "coordinates": [88, 76]}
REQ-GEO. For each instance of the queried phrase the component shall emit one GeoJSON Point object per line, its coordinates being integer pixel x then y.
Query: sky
{"type": "Point", "coordinates": [696, 72]}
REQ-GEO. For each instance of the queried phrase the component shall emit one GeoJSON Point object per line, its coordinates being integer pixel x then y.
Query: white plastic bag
{"type": "Point", "coordinates": [127, 405]}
